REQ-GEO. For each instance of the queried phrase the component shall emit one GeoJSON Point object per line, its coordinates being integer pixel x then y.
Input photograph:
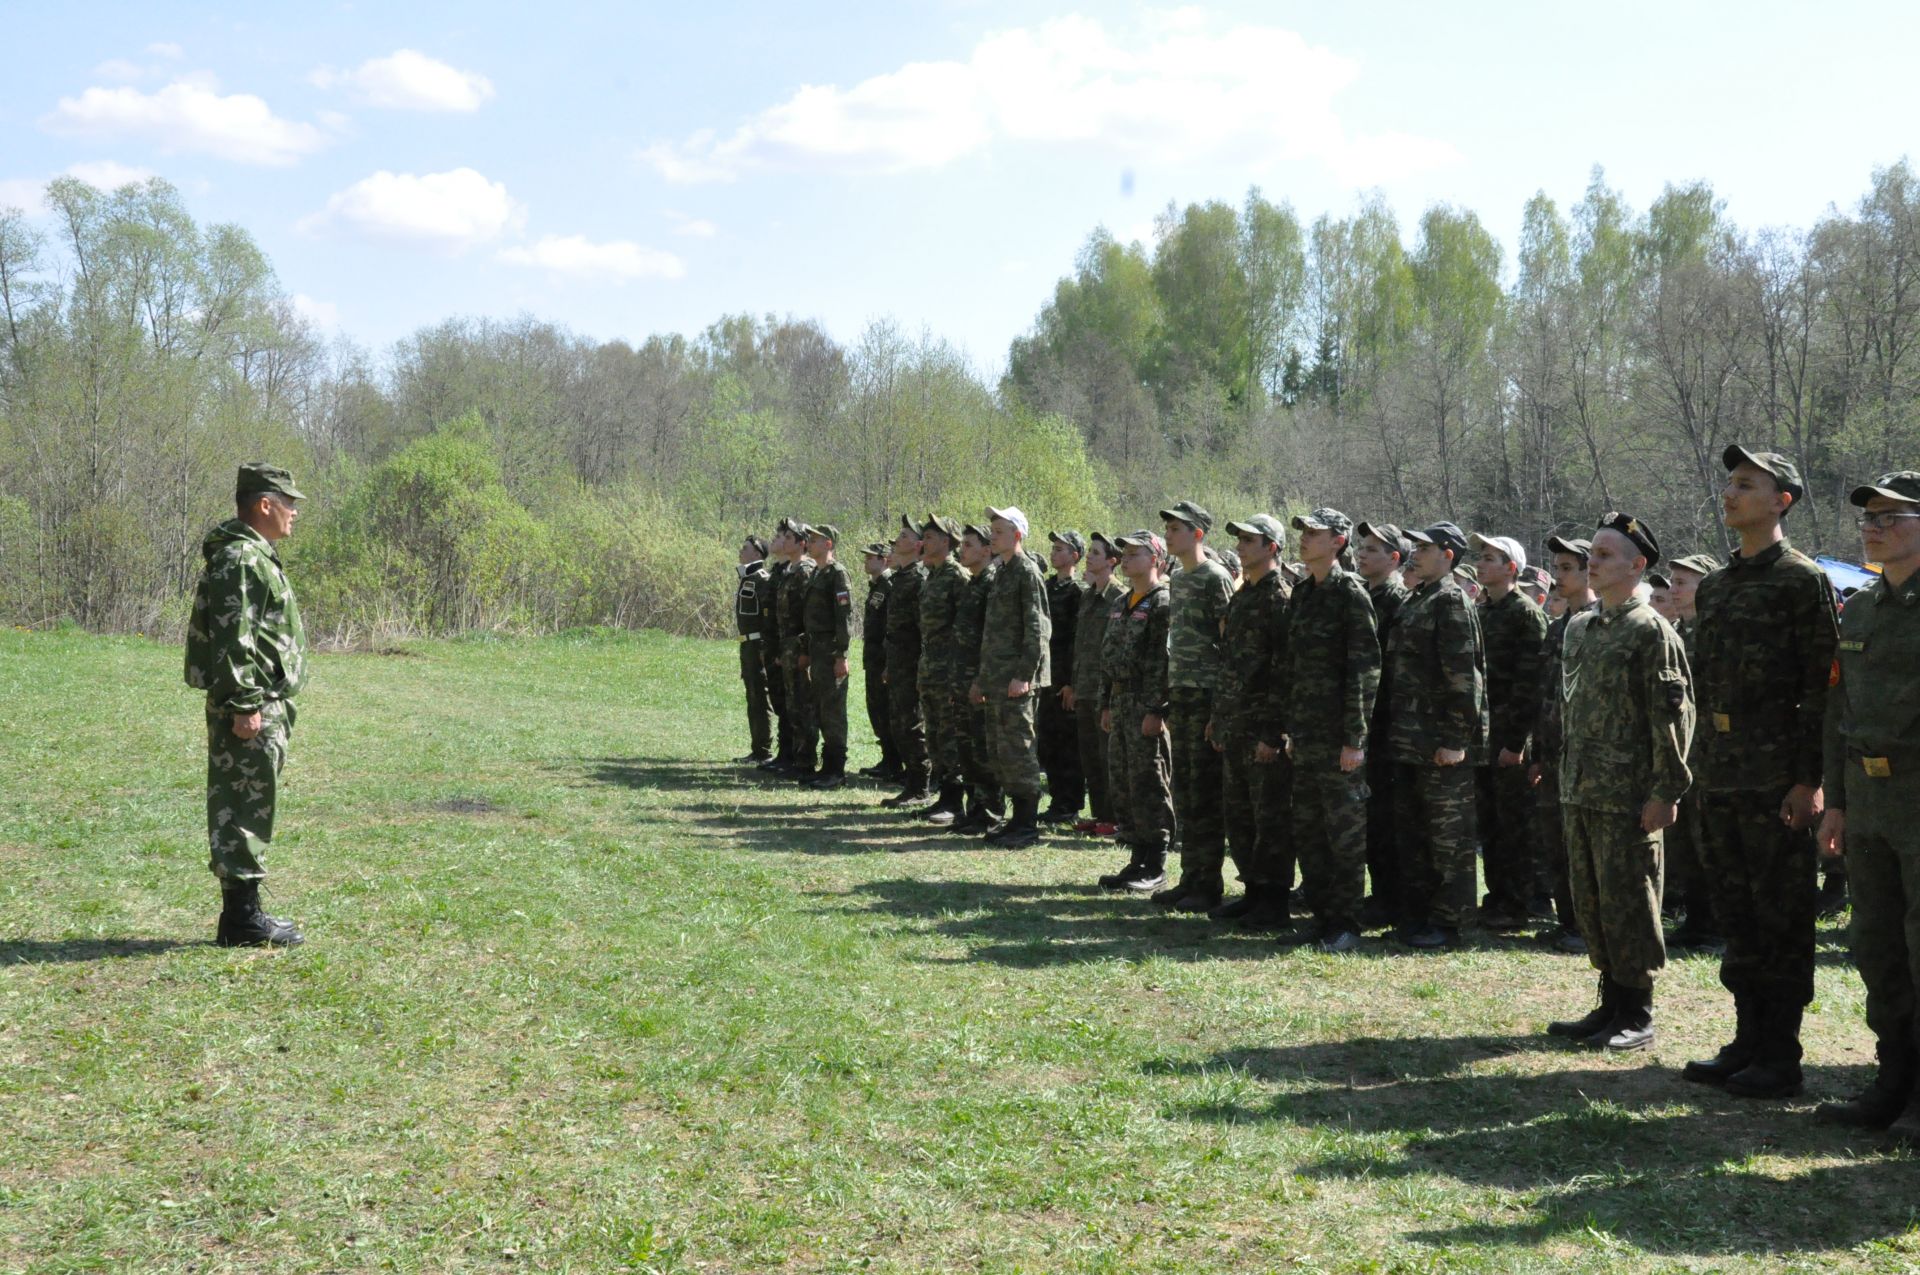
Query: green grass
{"type": "Point", "coordinates": [579, 996]}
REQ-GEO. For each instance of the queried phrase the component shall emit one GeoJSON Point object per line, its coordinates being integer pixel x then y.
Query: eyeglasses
{"type": "Point", "coordinates": [1882, 521]}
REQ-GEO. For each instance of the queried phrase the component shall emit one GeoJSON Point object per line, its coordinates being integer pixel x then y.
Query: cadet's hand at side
{"type": "Point", "coordinates": [840, 669]}
{"type": "Point", "coordinates": [1351, 759]}
{"type": "Point", "coordinates": [1509, 758]}
{"type": "Point", "coordinates": [1449, 756]}
{"type": "Point", "coordinates": [1152, 725]}
{"type": "Point", "coordinates": [1657, 814]}
{"type": "Point", "coordinates": [247, 725]}
{"type": "Point", "coordinates": [1016, 688]}
{"type": "Point", "coordinates": [1802, 806]}
{"type": "Point", "coordinates": [1066, 698]}
{"type": "Point", "coordinates": [1832, 836]}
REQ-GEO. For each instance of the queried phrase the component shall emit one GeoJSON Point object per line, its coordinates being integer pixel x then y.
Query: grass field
{"type": "Point", "coordinates": [579, 996]}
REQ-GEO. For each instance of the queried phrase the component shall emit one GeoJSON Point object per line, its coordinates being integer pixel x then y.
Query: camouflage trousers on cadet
{"type": "Point", "coordinates": [1256, 802]}
{"type": "Point", "coordinates": [1093, 761]}
{"type": "Point", "coordinates": [243, 790]}
{"type": "Point", "coordinates": [1330, 838]}
{"type": "Point", "coordinates": [775, 681]}
{"type": "Point", "coordinates": [945, 713]}
{"type": "Point", "coordinates": [1140, 780]}
{"type": "Point", "coordinates": [803, 731]}
{"type": "Point", "coordinates": [829, 706]}
{"type": "Point", "coordinates": [909, 724]}
{"type": "Point", "coordinates": [1688, 881]}
{"type": "Point", "coordinates": [878, 720]}
{"type": "Point", "coordinates": [1059, 744]}
{"type": "Point", "coordinates": [1883, 867]}
{"type": "Point", "coordinates": [1765, 894]}
{"type": "Point", "coordinates": [1383, 847]}
{"type": "Point", "coordinates": [1616, 871]}
{"type": "Point", "coordinates": [1196, 788]}
{"type": "Point", "coordinates": [1435, 815]}
{"type": "Point", "coordinates": [1551, 821]}
{"type": "Point", "coordinates": [1513, 865]}
{"type": "Point", "coordinates": [1012, 743]}
{"type": "Point", "coordinates": [753, 676]}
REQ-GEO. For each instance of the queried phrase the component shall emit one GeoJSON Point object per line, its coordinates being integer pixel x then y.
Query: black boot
{"type": "Point", "coordinates": [1736, 1054]}
{"type": "Point", "coordinates": [1234, 909]}
{"type": "Point", "coordinates": [1023, 829]}
{"type": "Point", "coordinates": [1632, 1025]}
{"type": "Point", "coordinates": [1775, 1069]}
{"type": "Point", "coordinates": [833, 774]}
{"type": "Point", "coordinates": [1881, 1102]}
{"type": "Point", "coordinates": [1118, 880]}
{"type": "Point", "coordinates": [912, 793]}
{"type": "Point", "coordinates": [243, 924]}
{"type": "Point", "coordinates": [952, 804]}
{"type": "Point", "coordinates": [974, 819]}
{"type": "Point", "coordinates": [1147, 873]}
{"type": "Point", "coordinates": [1600, 1016]}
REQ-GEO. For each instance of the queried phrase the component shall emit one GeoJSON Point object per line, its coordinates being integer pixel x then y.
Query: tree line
{"type": "Point", "coordinates": [489, 474]}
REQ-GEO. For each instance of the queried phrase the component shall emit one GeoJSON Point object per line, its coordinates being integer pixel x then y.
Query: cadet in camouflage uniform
{"type": "Point", "coordinates": [750, 595]}
{"type": "Point", "coordinates": [1687, 879]}
{"type": "Point", "coordinates": [1332, 674]}
{"type": "Point", "coordinates": [247, 649]}
{"type": "Point", "coordinates": [1766, 636]}
{"type": "Point", "coordinates": [986, 805]}
{"type": "Point", "coordinates": [829, 624]}
{"type": "Point", "coordinates": [1083, 695]}
{"type": "Point", "coordinates": [791, 607]}
{"type": "Point", "coordinates": [1514, 631]}
{"type": "Point", "coordinates": [903, 666]}
{"type": "Point", "coordinates": [1133, 712]}
{"type": "Point", "coordinates": [1570, 586]}
{"type": "Point", "coordinates": [1627, 713]}
{"type": "Point", "coordinates": [1059, 731]}
{"type": "Point", "coordinates": [1380, 550]}
{"type": "Point", "coordinates": [873, 660]}
{"type": "Point", "coordinates": [1015, 669]}
{"type": "Point", "coordinates": [1257, 777]}
{"type": "Point", "coordinates": [1198, 593]}
{"type": "Point", "coordinates": [1872, 768]}
{"type": "Point", "coordinates": [943, 692]}
{"type": "Point", "coordinates": [1438, 734]}
{"type": "Point", "coordinates": [771, 652]}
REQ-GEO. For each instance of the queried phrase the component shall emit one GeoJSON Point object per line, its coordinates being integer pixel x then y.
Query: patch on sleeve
{"type": "Point", "coordinates": [1673, 688]}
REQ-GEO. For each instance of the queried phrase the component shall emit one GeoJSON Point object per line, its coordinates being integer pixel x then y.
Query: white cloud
{"type": "Point", "coordinates": [410, 81]}
{"type": "Point", "coordinates": [692, 227]}
{"type": "Point", "coordinates": [324, 315]}
{"type": "Point", "coordinates": [1176, 87]}
{"type": "Point", "coordinates": [578, 257]}
{"type": "Point", "coordinates": [189, 114]}
{"type": "Point", "coordinates": [23, 193]}
{"type": "Point", "coordinates": [166, 49]}
{"type": "Point", "coordinates": [451, 211]}
{"type": "Point", "coordinates": [107, 174]}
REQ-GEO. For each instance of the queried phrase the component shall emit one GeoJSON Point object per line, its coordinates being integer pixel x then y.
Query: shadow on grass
{"type": "Point", "coordinates": [1601, 1146]}
{"type": "Point", "coordinates": [69, 951]}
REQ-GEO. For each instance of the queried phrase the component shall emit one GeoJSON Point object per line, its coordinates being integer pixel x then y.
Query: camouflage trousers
{"type": "Point", "coordinates": [829, 705]}
{"type": "Point", "coordinates": [1551, 821]}
{"type": "Point", "coordinates": [945, 712]}
{"type": "Point", "coordinates": [1196, 787]}
{"type": "Point", "coordinates": [1434, 816]}
{"type": "Point", "coordinates": [1515, 869]}
{"type": "Point", "coordinates": [1765, 894]}
{"type": "Point", "coordinates": [1883, 867]}
{"type": "Point", "coordinates": [1140, 779]}
{"type": "Point", "coordinates": [1012, 743]}
{"type": "Point", "coordinates": [1615, 869]}
{"type": "Point", "coordinates": [753, 676]}
{"type": "Point", "coordinates": [803, 730]}
{"type": "Point", "coordinates": [1688, 880]}
{"type": "Point", "coordinates": [1256, 800]}
{"type": "Point", "coordinates": [904, 712]}
{"type": "Point", "coordinates": [1059, 745]}
{"type": "Point", "coordinates": [1383, 848]}
{"type": "Point", "coordinates": [878, 721]}
{"type": "Point", "coordinates": [775, 680]}
{"type": "Point", "coordinates": [243, 789]}
{"type": "Point", "coordinates": [976, 762]}
{"type": "Point", "coordinates": [1093, 761]}
{"type": "Point", "coordinates": [1330, 836]}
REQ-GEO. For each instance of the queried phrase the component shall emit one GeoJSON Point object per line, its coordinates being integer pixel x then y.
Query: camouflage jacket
{"type": "Point", "coordinates": [245, 642]}
{"type": "Point", "coordinates": [1199, 599]}
{"type": "Point", "coordinates": [1627, 710]}
{"type": "Point", "coordinates": [1387, 600]}
{"type": "Point", "coordinates": [1689, 630]}
{"type": "Point", "coordinates": [1546, 721]}
{"type": "Point", "coordinates": [970, 622]}
{"type": "Point", "coordinates": [1089, 639]}
{"type": "Point", "coordinates": [1333, 667]}
{"type": "Point", "coordinates": [1066, 599]}
{"type": "Point", "coordinates": [1515, 632]}
{"type": "Point", "coordinates": [1250, 700]}
{"type": "Point", "coordinates": [941, 661]}
{"type": "Point", "coordinates": [829, 612]}
{"type": "Point", "coordinates": [903, 625]}
{"type": "Point", "coordinates": [751, 595]}
{"type": "Point", "coordinates": [1439, 677]}
{"type": "Point", "coordinates": [1014, 639]}
{"type": "Point", "coordinates": [873, 622]}
{"type": "Point", "coordinates": [1765, 634]}
{"type": "Point", "coordinates": [1134, 653]}
{"type": "Point", "coordinates": [770, 605]}
{"type": "Point", "coordinates": [791, 607]}
{"type": "Point", "coordinates": [1873, 710]}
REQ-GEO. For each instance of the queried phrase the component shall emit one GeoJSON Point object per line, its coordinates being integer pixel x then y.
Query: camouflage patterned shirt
{"type": "Point", "coordinates": [1014, 639]}
{"type": "Point", "coordinates": [970, 621]}
{"type": "Point", "coordinates": [1873, 710]}
{"type": "Point", "coordinates": [1134, 654]}
{"type": "Point", "coordinates": [1438, 670]}
{"type": "Point", "coordinates": [1333, 667]}
{"type": "Point", "coordinates": [1387, 600]}
{"type": "Point", "coordinates": [1066, 599]}
{"type": "Point", "coordinates": [1199, 599]}
{"type": "Point", "coordinates": [1089, 639]}
{"type": "Point", "coordinates": [1515, 632]}
{"type": "Point", "coordinates": [770, 605]}
{"type": "Point", "coordinates": [829, 611]}
{"type": "Point", "coordinates": [791, 607]}
{"type": "Point", "coordinates": [1250, 701]}
{"type": "Point", "coordinates": [1766, 633]}
{"type": "Point", "coordinates": [941, 662]}
{"type": "Point", "coordinates": [873, 622]}
{"type": "Point", "coordinates": [245, 641]}
{"type": "Point", "coordinates": [903, 625]}
{"type": "Point", "coordinates": [1627, 710]}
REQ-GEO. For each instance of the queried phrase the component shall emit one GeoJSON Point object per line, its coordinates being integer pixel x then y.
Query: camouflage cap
{"type": "Point", "coordinates": [942, 524]}
{"type": "Point", "coordinates": [1577, 547]}
{"type": "Point", "coordinates": [908, 525]}
{"type": "Point", "coordinates": [1658, 578]}
{"type": "Point", "coordinates": [1700, 563]}
{"type": "Point", "coordinates": [258, 478]}
{"type": "Point", "coordinates": [1506, 546]}
{"type": "Point", "coordinates": [1105, 541]}
{"type": "Point", "coordinates": [1265, 526]}
{"type": "Point", "coordinates": [1444, 534]}
{"type": "Point", "coordinates": [1324, 520]}
{"type": "Point", "coordinates": [1150, 540]}
{"type": "Point", "coordinates": [1467, 571]}
{"type": "Point", "coordinates": [1228, 558]}
{"type": "Point", "coordinates": [1784, 471]}
{"type": "Point", "coordinates": [1902, 484]}
{"type": "Point", "coordinates": [1535, 578]}
{"type": "Point", "coordinates": [758, 545]}
{"type": "Point", "coordinates": [978, 533]}
{"type": "Point", "coordinates": [824, 531]}
{"type": "Point", "coordinates": [1191, 514]}
{"type": "Point", "coordinates": [878, 549]}
{"type": "Point", "coordinates": [1071, 539]}
{"type": "Point", "coordinates": [1386, 533]}
{"type": "Point", "coordinates": [1634, 529]}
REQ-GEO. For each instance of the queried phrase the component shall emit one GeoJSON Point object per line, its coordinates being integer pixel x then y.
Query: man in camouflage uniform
{"type": "Point", "coordinates": [772, 650]}
{"type": "Point", "coordinates": [1332, 675]}
{"type": "Point", "coordinates": [986, 805]}
{"type": "Point", "coordinates": [1015, 669]}
{"type": "Point", "coordinates": [1766, 636]}
{"type": "Point", "coordinates": [1627, 715]}
{"type": "Point", "coordinates": [247, 649]}
{"type": "Point", "coordinates": [1687, 879]}
{"type": "Point", "coordinates": [750, 597]}
{"type": "Point", "coordinates": [829, 625]}
{"type": "Point", "coordinates": [1059, 734]}
{"type": "Point", "coordinates": [1133, 712]}
{"type": "Point", "coordinates": [873, 660]}
{"type": "Point", "coordinates": [903, 666]}
{"type": "Point", "coordinates": [1872, 768]}
{"type": "Point", "coordinates": [791, 607]}
{"type": "Point", "coordinates": [1198, 593]}
{"type": "Point", "coordinates": [943, 692]}
{"type": "Point", "coordinates": [1438, 734]}
{"type": "Point", "coordinates": [1104, 588]}
{"type": "Point", "coordinates": [1380, 552]}
{"type": "Point", "coordinates": [1514, 630]}
{"type": "Point", "coordinates": [1256, 774]}
{"type": "Point", "coordinates": [1569, 559]}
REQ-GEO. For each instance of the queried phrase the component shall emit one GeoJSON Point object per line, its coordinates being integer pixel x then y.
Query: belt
{"type": "Point", "coordinates": [749, 637]}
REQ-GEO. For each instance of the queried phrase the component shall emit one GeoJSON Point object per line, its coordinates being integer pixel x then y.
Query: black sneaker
{"type": "Point", "coordinates": [1340, 942]}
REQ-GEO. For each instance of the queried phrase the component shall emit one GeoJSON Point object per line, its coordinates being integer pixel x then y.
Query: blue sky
{"type": "Point", "coordinates": [635, 168]}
